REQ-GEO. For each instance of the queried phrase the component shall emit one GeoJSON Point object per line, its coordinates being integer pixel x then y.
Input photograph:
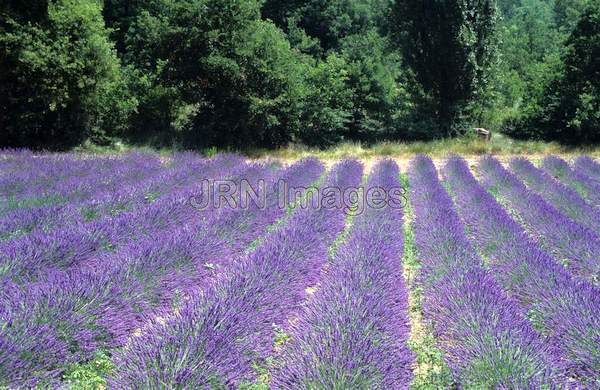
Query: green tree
{"type": "Point", "coordinates": [568, 12]}
{"type": "Point", "coordinates": [376, 80]}
{"type": "Point", "coordinates": [119, 15]}
{"type": "Point", "coordinates": [60, 79]}
{"type": "Point", "coordinates": [327, 104]}
{"type": "Point", "coordinates": [569, 111]}
{"type": "Point", "coordinates": [370, 100]}
{"type": "Point", "coordinates": [356, 93]}
{"type": "Point", "coordinates": [450, 46]}
{"type": "Point", "coordinates": [221, 75]}
{"type": "Point", "coordinates": [278, 11]}
{"type": "Point", "coordinates": [34, 11]}
{"type": "Point", "coordinates": [329, 21]}
{"type": "Point", "coordinates": [530, 53]}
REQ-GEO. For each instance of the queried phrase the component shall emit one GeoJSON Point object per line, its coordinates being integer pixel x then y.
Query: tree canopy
{"type": "Point", "coordinates": [450, 46]}
{"type": "Point", "coordinates": [60, 78]}
{"type": "Point", "coordinates": [569, 109]}
{"type": "Point", "coordinates": [264, 73]}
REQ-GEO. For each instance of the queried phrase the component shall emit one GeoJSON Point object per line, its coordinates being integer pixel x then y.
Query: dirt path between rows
{"type": "Point", "coordinates": [404, 162]}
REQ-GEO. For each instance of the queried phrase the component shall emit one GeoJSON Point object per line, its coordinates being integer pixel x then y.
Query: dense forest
{"type": "Point", "coordinates": [264, 73]}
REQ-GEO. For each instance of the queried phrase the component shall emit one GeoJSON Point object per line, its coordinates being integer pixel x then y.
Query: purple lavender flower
{"type": "Point", "coordinates": [588, 166]}
{"type": "Point", "coordinates": [99, 304]}
{"type": "Point", "coordinates": [214, 340]}
{"type": "Point", "coordinates": [28, 257]}
{"type": "Point", "coordinates": [60, 321]}
{"type": "Point", "coordinates": [568, 242]}
{"type": "Point", "coordinates": [563, 198]}
{"type": "Point", "coordinates": [108, 191]}
{"type": "Point", "coordinates": [566, 311]}
{"type": "Point", "coordinates": [486, 338]}
{"type": "Point", "coordinates": [586, 186]}
{"type": "Point", "coordinates": [353, 332]}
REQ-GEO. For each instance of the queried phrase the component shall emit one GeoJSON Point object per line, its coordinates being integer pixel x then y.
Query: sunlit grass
{"type": "Point", "coordinates": [498, 145]}
{"type": "Point", "coordinates": [466, 146]}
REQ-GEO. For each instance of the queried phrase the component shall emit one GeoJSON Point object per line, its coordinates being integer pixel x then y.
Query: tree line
{"type": "Point", "coordinates": [263, 73]}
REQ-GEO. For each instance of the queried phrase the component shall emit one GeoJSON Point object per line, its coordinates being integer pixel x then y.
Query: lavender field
{"type": "Point", "coordinates": [138, 271]}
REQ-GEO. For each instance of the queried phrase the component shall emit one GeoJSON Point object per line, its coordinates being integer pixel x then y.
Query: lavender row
{"type": "Point", "coordinates": [204, 246]}
{"type": "Point", "coordinates": [223, 239]}
{"type": "Point", "coordinates": [571, 244]}
{"type": "Point", "coordinates": [19, 173]}
{"type": "Point", "coordinates": [66, 176]}
{"type": "Point", "coordinates": [11, 159]}
{"type": "Point", "coordinates": [215, 339]}
{"type": "Point", "coordinates": [65, 316]}
{"type": "Point", "coordinates": [109, 193]}
{"type": "Point", "coordinates": [22, 220]}
{"type": "Point", "coordinates": [588, 166]}
{"type": "Point", "coordinates": [487, 341]}
{"type": "Point", "coordinates": [105, 189]}
{"type": "Point", "coordinates": [25, 257]}
{"type": "Point", "coordinates": [566, 311]}
{"type": "Point", "coordinates": [101, 304]}
{"type": "Point", "coordinates": [564, 199]}
{"type": "Point", "coordinates": [587, 187]}
{"type": "Point", "coordinates": [353, 332]}
{"type": "Point", "coordinates": [182, 170]}
{"type": "Point", "coordinates": [53, 200]}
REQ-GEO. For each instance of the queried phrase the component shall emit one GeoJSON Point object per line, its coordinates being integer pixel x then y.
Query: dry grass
{"type": "Point", "coordinates": [469, 147]}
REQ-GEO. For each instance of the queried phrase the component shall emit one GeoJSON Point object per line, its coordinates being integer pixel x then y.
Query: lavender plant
{"type": "Point", "coordinates": [571, 244]}
{"type": "Point", "coordinates": [585, 186]}
{"type": "Point", "coordinates": [564, 199]}
{"type": "Point", "coordinates": [30, 256]}
{"type": "Point", "coordinates": [61, 321]}
{"type": "Point", "coordinates": [565, 310]}
{"type": "Point", "coordinates": [486, 338]}
{"type": "Point", "coordinates": [214, 340]}
{"type": "Point", "coordinates": [68, 176]}
{"type": "Point", "coordinates": [588, 166]}
{"type": "Point", "coordinates": [103, 302]}
{"type": "Point", "coordinates": [353, 332]}
{"type": "Point", "coordinates": [108, 193]}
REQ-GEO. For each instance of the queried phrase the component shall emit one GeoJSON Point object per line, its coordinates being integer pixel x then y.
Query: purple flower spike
{"type": "Point", "coordinates": [353, 332]}
{"type": "Point", "coordinates": [568, 242]}
{"type": "Point", "coordinates": [563, 198]}
{"type": "Point", "coordinates": [565, 310]}
{"type": "Point", "coordinates": [575, 178]}
{"type": "Point", "coordinates": [486, 338]}
{"type": "Point", "coordinates": [588, 166]}
{"type": "Point", "coordinates": [215, 339]}
{"type": "Point", "coordinates": [99, 303]}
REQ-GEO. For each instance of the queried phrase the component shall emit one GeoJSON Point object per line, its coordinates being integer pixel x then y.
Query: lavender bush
{"type": "Point", "coordinates": [96, 305]}
{"type": "Point", "coordinates": [486, 338]}
{"type": "Point", "coordinates": [566, 311]}
{"type": "Point", "coordinates": [353, 332]}
{"type": "Point", "coordinates": [588, 166]}
{"type": "Point", "coordinates": [110, 267]}
{"type": "Point", "coordinates": [586, 186]}
{"type": "Point", "coordinates": [214, 340]}
{"type": "Point", "coordinates": [563, 198]}
{"type": "Point", "coordinates": [30, 256]}
{"type": "Point", "coordinates": [571, 244]}
{"type": "Point", "coordinates": [110, 192]}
